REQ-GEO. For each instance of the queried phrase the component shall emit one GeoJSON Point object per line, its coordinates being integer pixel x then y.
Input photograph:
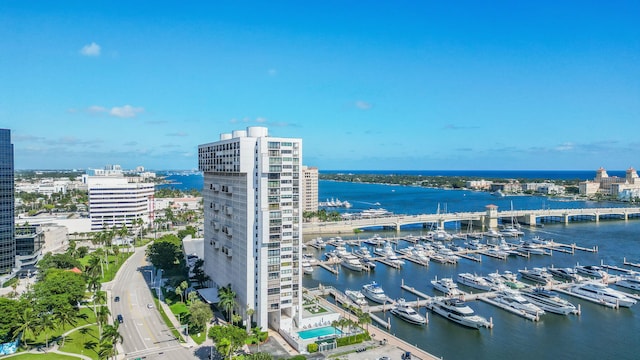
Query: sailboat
{"type": "Point", "coordinates": [514, 228]}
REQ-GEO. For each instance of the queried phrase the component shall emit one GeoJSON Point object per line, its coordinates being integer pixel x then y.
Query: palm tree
{"type": "Point", "coordinates": [223, 346]}
{"type": "Point", "coordinates": [227, 299]}
{"type": "Point", "coordinates": [250, 313]}
{"type": "Point", "coordinates": [111, 335]}
{"type": "Point", "coordinates": [102, 316]}
{"type": "Point", "coordinates": [65, 316]}
{"type": "Point", "coordinates": [28, 325]}
{"type": "Point", "coordinates": [45, 323]}
{"type": "Point", "coordinates": [107, 350]}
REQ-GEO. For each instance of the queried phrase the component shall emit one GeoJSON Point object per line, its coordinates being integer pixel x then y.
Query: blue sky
{"type": "Point", "coordinates": [366, 84]}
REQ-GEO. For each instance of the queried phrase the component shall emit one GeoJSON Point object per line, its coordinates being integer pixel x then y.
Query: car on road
{"type": "Point", "coordinates": [116, 299]}
{"type": "Point", "coordinates": [120, 318]}
{"type": "Point", "coordinates": [149, 306]}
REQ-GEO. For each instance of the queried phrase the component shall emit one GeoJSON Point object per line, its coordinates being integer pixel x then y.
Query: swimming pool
{"type": "Point", "coordinates": [318, 332]}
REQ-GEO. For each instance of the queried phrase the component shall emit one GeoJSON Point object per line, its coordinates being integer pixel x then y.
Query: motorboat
{"type": "Point", "coordinates": [385, 250]}
{"type": "Point", "coordinates": [375, 240]}
{"type": "Point", "coordinates": [374, 292]}
{"type": "Point", "coordinates": [440, 235]}
{"type": "Point", "coordinates": [319, 243]}
{"type": "Point", "coordinates": [341, 251]}
{"type": "Point", "coordinates": [538, 240]}
{"type": "Point", "coordinates": [475, 244]}
{"type": "Point", "coordinates": [458, 311]}
{"type": "Point", "coordinates": [351, 262]}
{"type": "Point", "coordinates": [515, 300]}
{"type": "Point", "coordinates": [407, 313]}
{"type": "Point", "coordinates": [307, 268]}
{"type": "Point", "coordinates": [549, 301]}
{"type": "Point", "coordinates": [603, 294]}
{"type": "Point", "coordinates": [419, 255]}
{"type": "Point", "coordinates": [495, 281]}
{"type": "Point", "coordinates": [449, 255]}
{"type": "Point", "coordinates": [591, 271]}
{"type": "Point", "coordinates": [493, 234]}
{"type": "Point", "coordinates": [531, 249]}
{"type": "Point", "coordinates": [368, 263]}
{"type": "Point", "coordinates": [511, 280]}
{"type": "Point", "coordinates": [309, 258]}
{"type": "Point", "coordinates": [474, 281]}
{"type": "Point", "coordinates": [363, 251]}
{"type": "Point", "coordinates": [539, 275]}
{"type": "Point", "coordinates": [447, 286]}
{"type": "Point", "coordinates": [356, 296]}
{"type": "Point", "coordinates": [630, 281]}
{"type": "Point", "coordinates": [565, 273]}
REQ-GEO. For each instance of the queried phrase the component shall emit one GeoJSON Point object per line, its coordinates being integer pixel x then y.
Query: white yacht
{"type": "Point", "coordinates": [515, 300]}
{"type": "Point", "coordinates": [511, 280]}
{"type": "Point", "coordinates": [591, 271]}
{"type": "Point", "coordinates": [447, 286]}
{"type": "Point", "coordinates": [351, 262]}
{"type": "Point", "coordinates": [496, 281]}
{"type": "Point", "coordinates": [539, 275]}
{"type": "Point", "coordinates": [603, 294]}
{"type": "Point", "coordinates": [363, 251]}
{"type": "Point", "coordinates": [531, 249]}
{"type": "Point", "coordinates": [375, 240]}
{"type": "Point", "coordinates": [419, 255]}
{"type": "Point", "coordinates": [630, 281]}
{"type": "Point", "coordinates": [474, 281]}
{"type": "Point", "coordinates": [565, 273]}
{"type": "Point", "coordinates": [341, 251]}
{"type": "Point", "coordinates": [456, 310]}
{"type": "Point", "coordinates": [307, 268]}
{"type": "Point", "coordinates": [319, 243]}
{"type": "Point", "coordinates": [309, 258]}
{"type": "Point", "coordinates": [407, 313]}
{"type": "Point", "coordinates": [549, 301]}
{"type": "Point", "coordinates": [356, 296]}
{"type": "Point", "coordinates": [374, 292]}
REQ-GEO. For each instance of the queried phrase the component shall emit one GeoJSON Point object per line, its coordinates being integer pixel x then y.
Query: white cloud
{"type": "Point", "coordinates": [363, 105]}
{"type": "Point", "coordinates": [126, 111]}
{"type": "Point", "coordinates": [96, 109]}
{"type": "Point", "coordinates": [565, 147]}
{"type": "Point", "coordinates": [92, 49]}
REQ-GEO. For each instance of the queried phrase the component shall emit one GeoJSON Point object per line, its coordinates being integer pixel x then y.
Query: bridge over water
{"type": "Point", "coordinates": [488, 219]}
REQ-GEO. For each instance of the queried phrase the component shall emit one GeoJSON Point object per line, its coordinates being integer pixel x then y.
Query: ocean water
{"type": "Point", "coordinates": [598, 333]}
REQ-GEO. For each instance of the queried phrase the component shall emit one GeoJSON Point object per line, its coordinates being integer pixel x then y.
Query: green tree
{"type": "Point", "coordinates": [227, 299]}
{"type": "Point", "coordinates": [165, 252]}
{"type": "Point", "coordinates": [27, 325]}
{"type": "Point", "coordinates": [11, 311]}
{"type": "Point", "coordinates": [198, 273]}
{"type": "Point", "coordinates": [59, 287]}
{"type": "Point", "coordinates": [58, 261]}
{"type": "Point", "coordinates": [201, 314]}
{"type": "Point", "coordinates": [111, 335]}
{"type": "Point", "coordinates": [229, 337]}
{"type": "Point", "coordinates": [102, 316]}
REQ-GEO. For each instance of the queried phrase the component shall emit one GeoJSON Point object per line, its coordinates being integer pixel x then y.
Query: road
{"type": "Point", "coordinates": [144, 333]}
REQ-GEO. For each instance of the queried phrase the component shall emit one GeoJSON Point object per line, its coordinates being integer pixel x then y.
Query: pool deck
{"type": "Point", "coordinates": [394, 347]}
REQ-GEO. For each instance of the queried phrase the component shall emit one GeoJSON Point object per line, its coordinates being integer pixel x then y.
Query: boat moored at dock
{"type": "Point", "coordinates": [601, 293]}
{"type": "Point", "coordinates": [407, 313]}
{"type": "Point", "coordinates": [446, 286]}
{"type": "Point", "coordinates": [539, 275]}
{"type": "Point", "coordinates": [514, 300]}
{"type": "Point", "coordinates": [374, 292]}
{"type": "Point", "coordinates": [474, 281]}
{"type": "Point", "coordinates": [591, 271]}
{"type": "Point", "coordinates": [356, 297]}
{"type": "Point", "coordinates": [630, 281]}
{"type": "Point", "coordinates": [549, 301]}
{"type": "Point", "coordinates": [458, 311]}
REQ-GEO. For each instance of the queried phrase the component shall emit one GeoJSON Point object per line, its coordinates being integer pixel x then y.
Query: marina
{"type": "Point", "coordinates": [587, 243]}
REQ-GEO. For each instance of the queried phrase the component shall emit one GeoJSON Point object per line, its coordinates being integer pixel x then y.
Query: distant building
{"type": "Point", "coordinates": [114, 202]}
{"type": "Point", "coordinates": [253, 222]}
{"type": "Point", "coordinates": [310, 188]}
{"type": "Point", "coordinates": [478, 184]}
{"type": "Point", "coordinates": [7, 203]}
{"type": "Point", "coordinates": [29, 244]}
{"type": "Point", "coordinates": [623, 188]}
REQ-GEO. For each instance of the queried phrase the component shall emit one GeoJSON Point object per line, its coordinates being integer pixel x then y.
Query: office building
{"type": "Point", "coordinates": [7, 205]}
{"type": "Point", "coordinates": [114, 202]}
{"type": "Point", "coordinates": [310, 189]}
{"type": "Point", "coordinates": [253, 218]}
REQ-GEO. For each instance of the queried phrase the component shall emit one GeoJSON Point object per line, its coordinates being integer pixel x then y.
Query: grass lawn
{"type": "Point", "coordinates": [85, 316]}
{"type": "Point", "coordinates": [199, 339]}
{"type": "Point", "coordinates": [39, 356]}
{"type": "Point", "coordinates": [179, 308]}
{"type": "Point", "coordinates": [83, 341]}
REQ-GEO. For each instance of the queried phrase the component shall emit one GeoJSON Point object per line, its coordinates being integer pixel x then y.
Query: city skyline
{"type": "Point", "coordinates": [389, 85]}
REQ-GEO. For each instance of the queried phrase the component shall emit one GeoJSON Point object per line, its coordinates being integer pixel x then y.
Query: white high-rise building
{"type": "Point", "coordinates": [114, 202]}
{"type": "Point", "coordinates": [310, 189]}
{"type": "Point", "coordinates": [253, 222]}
